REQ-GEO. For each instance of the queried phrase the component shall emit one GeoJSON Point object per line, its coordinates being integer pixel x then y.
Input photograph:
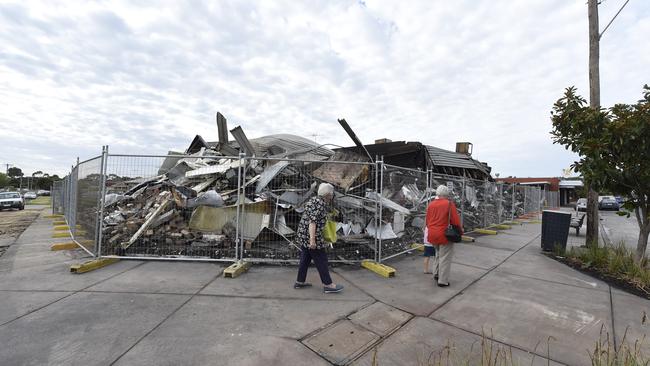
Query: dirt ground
{"type": "Point", "coordinates": [13, 223]}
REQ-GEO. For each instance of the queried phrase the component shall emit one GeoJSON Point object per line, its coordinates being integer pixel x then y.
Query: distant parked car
{"type": "Point", "coordinates": [30, 195]}
{"type": "Point", "coordinates": [43, 192]}
{"type": "Point", "coordinates": [581, 205]}
{"type": "Point", "coordinates": [608, 203]}
{"type": "Point", "coordinates": [619, 200]}
{"type": "Point", "coordinates": [11, 200]}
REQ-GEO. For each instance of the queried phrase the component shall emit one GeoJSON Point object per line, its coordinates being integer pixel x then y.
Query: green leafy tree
{"type": "Point", "coordinates": [614, 150]}
{"type": "Point", "coordinates": [14, 172]}
{"type": "Point", "coordinates": [4, 180]}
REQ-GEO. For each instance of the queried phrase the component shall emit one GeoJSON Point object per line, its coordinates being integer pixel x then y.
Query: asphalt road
{"type": "Point", "coordinates": [620, 228]}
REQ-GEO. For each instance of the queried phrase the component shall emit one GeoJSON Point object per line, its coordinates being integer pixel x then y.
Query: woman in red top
{"type": "Point", "coordinates": [440, 212]}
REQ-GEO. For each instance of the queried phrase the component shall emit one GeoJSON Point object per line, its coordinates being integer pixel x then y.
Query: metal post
{"type": "Point", "coordinates": [381, 190]}
{"type": "Point", "coordinates": [240, 188]}
{"type": "Point", "coordinates": [525, 198]}
{"type": "Point", "coordinates": [514, 197]}
{"type": "Point", "coordinates": [500, 203]}
{"type": "Point", "coordinates": [102, 197]}
{"type": "Point", "coordinates": [377, 203]}
{"type": "Point", "coordinates": [462, 204]}
{"type": "Point", "coordinates": [485, 213]}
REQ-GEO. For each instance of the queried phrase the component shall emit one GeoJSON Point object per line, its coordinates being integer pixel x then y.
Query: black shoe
{"type": "Point", "coordinates": [301, 285]}
{"type": "Point", "coordinates": [332, 290]}
{"type": "Point", "coordinates": [435, 277]}
{"type": "Point", "coordinates": [443, 284]}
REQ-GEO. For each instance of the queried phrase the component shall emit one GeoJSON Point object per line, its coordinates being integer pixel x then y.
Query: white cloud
{"type": "Point", "coordinates": [145, 78]}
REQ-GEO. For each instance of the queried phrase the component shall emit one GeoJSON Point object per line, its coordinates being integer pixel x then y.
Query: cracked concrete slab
{"type": "Point", "coordinates": [508, 242]}
{"type": "Point", "coordinates": [14, 304]}
{"type": "Point", "coordinates": [424, 341]}
{"type": "Point", "coordinates": [511, 306]}
{"type": "Point", "coordinates": [239, 331]}
{"type": "Point", "coordinates": [411, 290]}
{"type": "Point", "coordinates": [537, 265]}
{"type": "Point", "coordinates": [478, 256]}
{"type": "Point", "coordinates": [83, 329]}
{"type": "Point", "coordinates": [631, 320]}
{"type": "Point", "coordinates": [57, 277]}
{"type": "Point", "coordinates": [162, 277]}
{"type": "Point", "coordinates": [277, 282]}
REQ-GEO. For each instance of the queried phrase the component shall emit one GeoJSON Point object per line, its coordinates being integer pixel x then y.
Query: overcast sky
{"type": "Point", "coordinates": [146, 78]}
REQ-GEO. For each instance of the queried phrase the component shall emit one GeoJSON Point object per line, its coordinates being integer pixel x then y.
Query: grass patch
{"type": "Point", "coordinates": [487, 352]}
{"type": "Point", "coordinates": [612, 264]}
{"type": "Point", "coordinates": [41, 200]}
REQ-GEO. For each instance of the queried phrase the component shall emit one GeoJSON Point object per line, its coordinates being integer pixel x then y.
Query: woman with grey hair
{"type": "Point", "coordinates": [440, 213]}
{"type": "Point", "coordinates": [310, 238]}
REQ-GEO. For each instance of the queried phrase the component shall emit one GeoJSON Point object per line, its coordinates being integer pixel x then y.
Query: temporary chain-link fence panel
{"type": "Point", "coordinates": [168, 207]}
{"type": "Point", "coordinates": [550, 199]}
{"type": "Point", "coordinates": [472, 209]}
{"type": "Point", "coordinates": [491, 202]}
{"type": "Point", "coordinates": [57, 194]}
{"type": "Point", "coordinates": [506, 196]}
{"type": "Point", "coordinates": [88, 182]}
{"type": "Point", "coordinates": [273, 195]}
{"type": "Point", "coordinates": [71, 217]}
{"type": "Point", "coordinates": [455, 185]}
{"type": "Point", "coordinates": [405, 196]}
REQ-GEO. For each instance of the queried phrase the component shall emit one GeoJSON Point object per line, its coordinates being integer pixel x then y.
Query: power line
{"type": "Point", "coordinates": [610, 22]}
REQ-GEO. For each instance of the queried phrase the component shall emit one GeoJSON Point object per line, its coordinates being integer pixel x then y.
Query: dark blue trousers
{"type": "Point", "coordinates": [320, 260]}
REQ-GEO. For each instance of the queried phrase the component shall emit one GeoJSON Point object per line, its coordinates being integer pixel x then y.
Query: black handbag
{"type": "Point", "coordinates": [452, 232]}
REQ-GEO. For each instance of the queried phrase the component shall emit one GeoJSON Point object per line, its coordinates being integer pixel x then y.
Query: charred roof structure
{"type": "Point", "coordinates": [415, 155]}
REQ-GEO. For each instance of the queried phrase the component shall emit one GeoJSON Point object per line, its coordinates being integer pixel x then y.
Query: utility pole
{"type": "Point", "coordinates": [594, 102]}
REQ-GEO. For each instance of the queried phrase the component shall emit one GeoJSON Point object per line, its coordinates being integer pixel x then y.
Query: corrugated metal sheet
{"type": "Point", "coordinates": [448, 158]}
{"type": "Point", "coordinates": [279, 145]}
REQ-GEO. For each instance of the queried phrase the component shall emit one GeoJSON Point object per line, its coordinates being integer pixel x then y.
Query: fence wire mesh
{"type": "Point", "coordinates": [88, 185]}
{"type": "Point", "coordinates": [163, 207]}
{"type": "Point", "coordinates": [200, 207]}
{"type": "Point", "coordinates": [507, 199]}
{"type": "Point", "coordinates": [57, 193]}
{"type": "Point", "coordinates": [275, 191]}
{"type": "Point", "coordinates": [405, 196]}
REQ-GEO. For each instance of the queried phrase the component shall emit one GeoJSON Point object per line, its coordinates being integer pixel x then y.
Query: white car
{"type": "Point", "coordinates": [30, 195]}
{"type": "Point", "coordinates": [11, 200]}
{"type": "Point", "coordinates": [581, 205]}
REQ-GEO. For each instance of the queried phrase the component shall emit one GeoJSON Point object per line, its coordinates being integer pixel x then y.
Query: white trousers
{"type": "Point", "coordinates": [442, 267]}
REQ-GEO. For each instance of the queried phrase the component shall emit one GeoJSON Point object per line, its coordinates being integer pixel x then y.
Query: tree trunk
{"type": "Point", "coordinates": [644, 229]}
{"type": "Point", "coordinates": [592, 219]}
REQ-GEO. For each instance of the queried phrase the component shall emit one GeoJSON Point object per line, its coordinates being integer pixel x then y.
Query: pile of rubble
{"type": "Point", "coordinates": [192, 208]}
{"type": "Point", "coordinates": [203, 202]}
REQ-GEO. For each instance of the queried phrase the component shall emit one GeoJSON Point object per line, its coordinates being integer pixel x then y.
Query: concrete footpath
{"type": "Point", "coordinates": [174, 313]}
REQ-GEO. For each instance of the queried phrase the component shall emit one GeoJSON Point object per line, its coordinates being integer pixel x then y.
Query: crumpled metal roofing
{"type": "Point", "coordinates": [279, 145]}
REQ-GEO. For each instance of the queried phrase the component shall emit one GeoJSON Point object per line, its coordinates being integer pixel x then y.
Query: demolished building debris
{"type": "Point", "coordinates": [202, 203]}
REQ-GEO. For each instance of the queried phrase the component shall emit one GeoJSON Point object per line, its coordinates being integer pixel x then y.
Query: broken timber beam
{"type": "Point", "coordinates": [236, 269]}
{"type": "Point", "coordinates": [147, 223]}
{"type": "Point", "coordinates": [354, 137]}
{"type": "Point", "coordinates": [380, 269]}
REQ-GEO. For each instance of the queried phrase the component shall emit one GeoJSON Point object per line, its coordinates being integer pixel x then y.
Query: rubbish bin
{"type": "Point", "coordinates": [555, 229]}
